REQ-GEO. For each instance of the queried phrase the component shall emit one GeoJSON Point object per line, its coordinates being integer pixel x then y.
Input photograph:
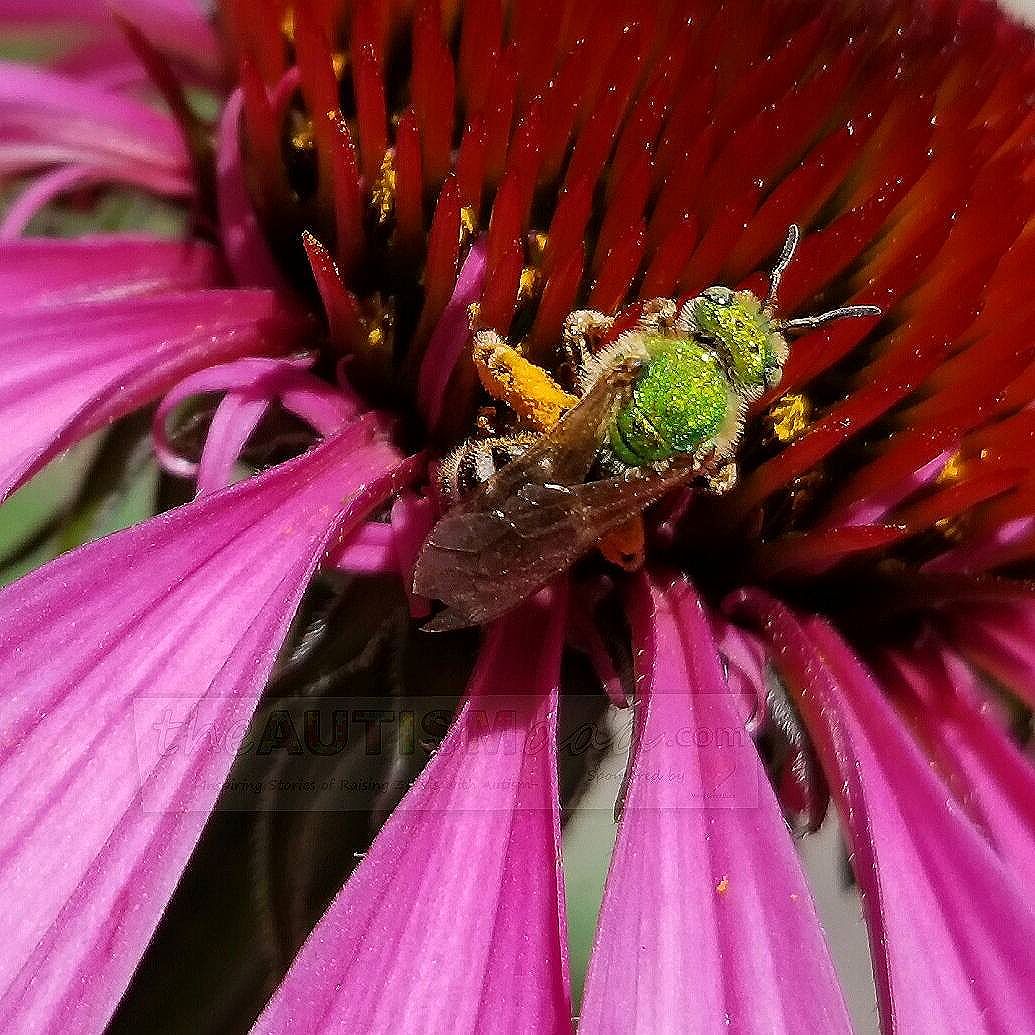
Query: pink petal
{"type": "Point", "coordinates": [584, 635]}
{"type": "Point", "coordinates": [177, 27]}
{"type": "Point", "coordinates": [450, 336]}
{"type": "Point", "coordinates": [1000, 640]}
{"type": "Point", "coordinates": [951, 927]}
{"type": "Point", "coordinates": [412, 520]}
{"type": "Point", "coordinates": [874, 508]}
{"type": "Point", "coordinates": [1007, 542]}
{"type": "Point", "coordinates": [370, 550]}
{"type": "Point", "coordinates": [707, 923]}
{"type": "Point", "coordinates": [236, 418]}
{"type": "Point", "coordinates": [70, 370]}
{"type": "Point", "coordinates": [999, 782]}
{"type": "Point", "coordinates": [47, 118]}
{"type": "Point", "coordinates": [177, 623]}
{"type": "Point", "coordinates": [453, 923]}
{"type": "Point", "coordinates": [744, 662]}
{"type": "Point", "coordinates": [41, 272]}
{"type": "Point", "coordinates": [253, 384]}
{"type": "Point", "coordinates": [40, 193]}
{"type": "Point", "coordinates": [243, 241]}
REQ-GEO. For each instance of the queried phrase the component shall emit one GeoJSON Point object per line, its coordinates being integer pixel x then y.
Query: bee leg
{"type": "Point", "coordinates": [658, 316]}
{"type": "Point", "coordinates": [584, 331]}
{"type": "Point", "coordinates": [529, 390]}
{"type": "Point", "coordinates": [448, 480]}
{"type": "Point", "coordinates": [724, 479]}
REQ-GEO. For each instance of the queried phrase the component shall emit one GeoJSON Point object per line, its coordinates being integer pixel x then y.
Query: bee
{"type": "Point", "coordinates": [661, 406]}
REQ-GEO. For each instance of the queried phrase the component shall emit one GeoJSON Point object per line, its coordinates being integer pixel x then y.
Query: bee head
{"type": "Point", "coordinates": [747, 335]}
{"type": "Point", "coordinates": [744, 335]}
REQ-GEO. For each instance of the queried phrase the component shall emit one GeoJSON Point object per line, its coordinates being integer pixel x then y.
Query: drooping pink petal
{"type": "Point", "coordinates": [707, 922]}
{"type": "Point", "coordinates": [370, 550]}
{"type": "Point", "coordinates": [453, 923]}
{"type": "Point", "coordinates": [412, 520]}
{"type": "Point", "coordinates": [999, 638]}
{"type": "Point", "coordinates": [243, 241]}
{"type": "Point", "coordinates": [47, 118]}
{"type": "Point", "coordinates": [235, 420]}
{"type": "Point", "coordinates": [39, 272]}
{"type": "Point", "coordinates": [72, 369]}
{"type": "Point", "coordinates": [744, 662]}
{"type": "Point", "coordinates": [177, 27]}
{"type": "Point", "coordinates": [107, 62]}
{"type": "Point", "coordinates": [253, 384]}
{"type": "Point", "coordinates": [40, 193]}
{"type": "Point", "coordinates": [951, 927]}
{"type": "Point", "coordinates": [450, 335]}
{"type": "Point", "coordinates": [952, 714]}
{"type": "Point", "coordinates": [584, 635]}
{"type": "Point", "coordinates": [123, 707]}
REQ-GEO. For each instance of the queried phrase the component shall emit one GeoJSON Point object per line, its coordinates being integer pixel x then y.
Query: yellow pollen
{"type": "Point", "coordinates": [952, 529]}
{"type": "Point", "coordinates": [539, 403]}
{"type": "Point", "coordinates": [338, 62]}
{"type": "Point", "coordinates": [468, 221]}
{"type": "Point", "coordinates": [287, 24]}
{"type": "Point", "coordinates": [529, 282]}
{"type": "Point", "coordinates": [380, 323]}
{"type": "Point", "coordinates": [527, 389]}
{"type": "Point", "coordinates": [537, 243]}
{"type": "Point", "coordinates": [952, 471]}
{"type": "Point", "coordinates": [723, 886]}
{"type": "Point", "coordinates": [383, 193]}
{"type": "Point", "coordinates": [790, 416]}
{"type": "Point", "coordinates": [302, 138]}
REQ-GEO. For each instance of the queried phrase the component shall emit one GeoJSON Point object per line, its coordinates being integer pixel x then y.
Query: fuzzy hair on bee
{"type": "Point", "coordinates": [659, 406]}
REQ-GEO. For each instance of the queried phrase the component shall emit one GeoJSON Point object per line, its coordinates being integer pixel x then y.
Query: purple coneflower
{"type": "Point", "coordinates": [382, 177]}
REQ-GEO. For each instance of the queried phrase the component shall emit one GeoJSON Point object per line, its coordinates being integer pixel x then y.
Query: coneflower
{"type": "Point", "coordinates": [383, 180]}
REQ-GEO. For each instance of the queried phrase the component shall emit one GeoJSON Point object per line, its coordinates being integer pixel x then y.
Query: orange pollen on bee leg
{"type": "Point", "coordinates": [626, 546]}
{"type": "Point", "coordinates": [527, 389]}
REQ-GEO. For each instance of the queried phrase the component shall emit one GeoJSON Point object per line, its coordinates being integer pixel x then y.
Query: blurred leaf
{"type": "Point", "coordinates": [40, 501]}
{"type": "Point", "coordinates": [103, 485]}
{"type": "Point", "coordinates": [36, 46]}
{"type": "Point", "coordinates": [108, 211]}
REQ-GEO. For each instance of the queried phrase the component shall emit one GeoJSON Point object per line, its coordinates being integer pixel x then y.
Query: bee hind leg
{"type": "Point", "coordinates": [475, 461]}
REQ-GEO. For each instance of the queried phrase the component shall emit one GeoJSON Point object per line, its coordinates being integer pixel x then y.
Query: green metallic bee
{"type": "Point", "coordinates": [660, 406]}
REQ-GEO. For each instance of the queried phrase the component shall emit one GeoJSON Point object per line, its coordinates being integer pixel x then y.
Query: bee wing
{"type": "Point", "coordinates": [472, 535]}
{"type": "Point", "coordinates": [483, 562]}
{"type": "Point", "coordinates": [565, 453]}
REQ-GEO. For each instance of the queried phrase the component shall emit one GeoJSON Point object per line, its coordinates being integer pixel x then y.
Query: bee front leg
{"type": "Point", "coordinates": [584, 332]}
{"type": "Point", "coordinates": [658, 316]}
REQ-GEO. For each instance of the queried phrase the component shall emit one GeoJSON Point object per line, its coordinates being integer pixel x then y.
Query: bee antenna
{"type": "Point", "coordinates": [807, 323]}
{"type": "Point", "coordinates": [790, 246]}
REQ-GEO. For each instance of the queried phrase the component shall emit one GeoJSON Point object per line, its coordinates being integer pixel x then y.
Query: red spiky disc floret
{"type": "Point", "coordinates": [615, 151]}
